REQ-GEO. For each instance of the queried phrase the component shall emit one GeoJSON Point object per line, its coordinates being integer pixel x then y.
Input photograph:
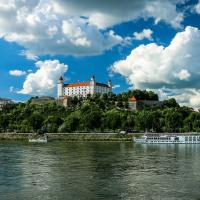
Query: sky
{"type": "Point", "coordinates": [138, 44]}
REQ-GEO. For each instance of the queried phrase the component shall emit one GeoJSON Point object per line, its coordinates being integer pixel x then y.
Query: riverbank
{"type": "Point", "coordinates": [70, 136]}
{"type": "Point", "coordinates": [80, 136]}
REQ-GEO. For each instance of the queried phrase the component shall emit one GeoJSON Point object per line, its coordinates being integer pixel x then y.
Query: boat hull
{"type": "Point", "coordinates": [168, 139]}
{"type": "Point", "coordinates": [37, 141]}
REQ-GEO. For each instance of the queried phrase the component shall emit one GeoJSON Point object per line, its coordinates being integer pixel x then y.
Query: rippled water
{"type": "Point", "coordinates": [97, 170]}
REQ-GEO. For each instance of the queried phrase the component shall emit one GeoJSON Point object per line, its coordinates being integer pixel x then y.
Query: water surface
{"type": "Point", "coordinates": [98, 170]}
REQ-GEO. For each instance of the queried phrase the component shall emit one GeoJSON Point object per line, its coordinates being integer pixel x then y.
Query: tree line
{"type": "Point", "coordinates": [100, 113]}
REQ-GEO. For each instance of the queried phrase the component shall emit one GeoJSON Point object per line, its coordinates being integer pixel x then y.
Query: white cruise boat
{"type": "Point", "coordinates": [168, 139]}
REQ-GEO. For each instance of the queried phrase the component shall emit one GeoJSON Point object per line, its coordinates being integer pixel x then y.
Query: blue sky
{"type": "Point", "coordinates": [138, 44]}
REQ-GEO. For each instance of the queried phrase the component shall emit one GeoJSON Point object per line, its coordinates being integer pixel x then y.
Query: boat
{"type": "Point", "coordinates": [41, 139]}
{"type": "Point", "coordinates": [168, 139]}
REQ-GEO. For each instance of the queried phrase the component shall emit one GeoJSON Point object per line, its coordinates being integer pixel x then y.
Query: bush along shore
{"type": "Point", "coordinates": [69, 136]}
{"type": "Point", "coordinates": [99, 113]}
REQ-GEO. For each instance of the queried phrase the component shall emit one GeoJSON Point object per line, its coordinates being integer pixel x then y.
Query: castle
{"type": "Point", "coordinates": [82, 89]}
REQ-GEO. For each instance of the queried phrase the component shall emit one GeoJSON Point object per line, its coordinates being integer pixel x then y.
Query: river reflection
{"type": "Point", "coordinates": [98, 170]}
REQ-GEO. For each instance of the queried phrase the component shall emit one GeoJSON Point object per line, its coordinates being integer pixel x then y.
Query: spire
{"type": "Point", "coordinates": [93, 78]}
{"type": "Point", "coordinates": [61, 78]}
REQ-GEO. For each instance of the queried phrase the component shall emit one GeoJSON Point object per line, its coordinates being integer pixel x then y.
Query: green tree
{"type": "Point", "coordinates": [191, 123]}
{"type": "Point", "coordinates": [52, 123]}
{"type": "Point", "coordinates": [72, 122]}
{"type": "Point", "coordinates": [4, 122]}
{"type": "Point", "coordinates": [144, 120]}
{"type": "Point", "coordinates": [128, 122]}
{"type": "Point", "coordinates": [170, 103]}
{"type": "Point", "coordinates": [173, 120]}
{"type": "Point", "coordinates": [36, 121]}
{"type": "Point", "coordinates": [91, 120]}
{"type": "Point", "coordinates": [112, 120]}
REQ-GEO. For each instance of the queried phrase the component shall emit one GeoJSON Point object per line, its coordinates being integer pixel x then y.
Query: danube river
{"type": "Point", "coordinates": [99, 170]}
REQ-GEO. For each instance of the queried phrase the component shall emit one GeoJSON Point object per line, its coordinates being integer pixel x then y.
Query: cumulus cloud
{"type": "Point", "coordinates": [185, 97]}
{"type": "Point", "coordinates": [11, 89]}
{"type": "Point", "coordinates": [74, 27]}
{"type": "Point", "coordinates": [174, 67]}
{"type": "Point", "coordinates": [197, 7]}
{"type": "Point", "coordinates": [17, 72]}
{"type": "Point", "coordinates": [7, 5]}
{"type": "Point", "coordinates": [115, 86]}
{"type": "Point", "coordinates": [29, 55]}
{"type": "Point", "coordinates": [40, 29]}
{"type": "Point", "coordinates": [146, 33]}
{"type": "Point", "coordinates": [44, 80]}
{"type": "Point", "coordinates": [105, 14]}
{"type": "Point", "coordinates": [183, 74]}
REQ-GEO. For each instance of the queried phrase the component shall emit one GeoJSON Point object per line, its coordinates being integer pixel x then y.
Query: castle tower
{"type": "Point", "coordinates": [60, 87]}
{"type": "Point", "coordinates": [92, 85]}
{"type": "Point", "coordinates": [110, 83]}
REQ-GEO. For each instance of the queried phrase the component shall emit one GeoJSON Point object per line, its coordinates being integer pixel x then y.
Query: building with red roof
{"type": "Point", "coordinates": [82, 89]}
{"type": "Point", "coordinates": [135, 104]}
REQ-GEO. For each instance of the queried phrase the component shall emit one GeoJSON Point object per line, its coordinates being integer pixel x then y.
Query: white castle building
{"type": "Point", "coordinates": [82, 89]}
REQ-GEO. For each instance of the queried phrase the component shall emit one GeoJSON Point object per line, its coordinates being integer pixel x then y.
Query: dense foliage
{"type": "Point", "coordinates": [99, 113]}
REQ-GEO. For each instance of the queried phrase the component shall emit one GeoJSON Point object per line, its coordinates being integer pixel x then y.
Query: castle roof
{"type": "Point", "coordinates": [77, 84]}
{"type": "Point", "coordinates": [84, 84]}
{"type": "Point", "coordinates": [102, 84]}
{"type": "Point", "coordinates": [132, 99]}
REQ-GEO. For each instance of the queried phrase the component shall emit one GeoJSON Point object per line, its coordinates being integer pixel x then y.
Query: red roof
{"type": "Point", "coordinates": [84, 84]}
{"type": "Point", "coordinates": [77, 84]}
{"type": "Point", "coordinates": [132, 99]}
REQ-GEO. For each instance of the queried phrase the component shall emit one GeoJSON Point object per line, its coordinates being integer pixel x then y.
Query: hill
{"type": "Point", "coordinates": [99, 113]}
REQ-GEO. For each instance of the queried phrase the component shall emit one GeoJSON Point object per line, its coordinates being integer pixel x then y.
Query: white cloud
{"type": "Point", "coordinates": [77, 36]}
{"type": "Point", "coordinates": [29, 70]}
{"type": "Point", "coordinates": [29, 55]}
{"type": "Point", "coordinates": [11, 89]}
{"type": "Point", "coordinates": [105, 14]}
{"type": "Point", "coordinates": [185, 97]}
{"type": "Point", "coordinates": [115, 86]}
{"type": "Point", "coordinates": [41, 30]}
{"type": "Point", "coordinates": [197, 7]}
{"type": "Point", "coordinates": [183, 74]}
{"type": "Point", "coordinates": [17, 72]}
{"type": "Point", "coordinates": [6, 5]}
{"type": "Point", "coordinates": [72, 27]}
{"type": "Point", "coordinates": [174, 67]}
{"type": "Point", "coordinates": [44, 80]}
{"type": "Point", "coordinates": [146, 33]}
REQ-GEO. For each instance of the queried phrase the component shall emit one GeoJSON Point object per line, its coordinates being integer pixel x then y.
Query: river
{"type": "Point", "coordinates": [99, 170]}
